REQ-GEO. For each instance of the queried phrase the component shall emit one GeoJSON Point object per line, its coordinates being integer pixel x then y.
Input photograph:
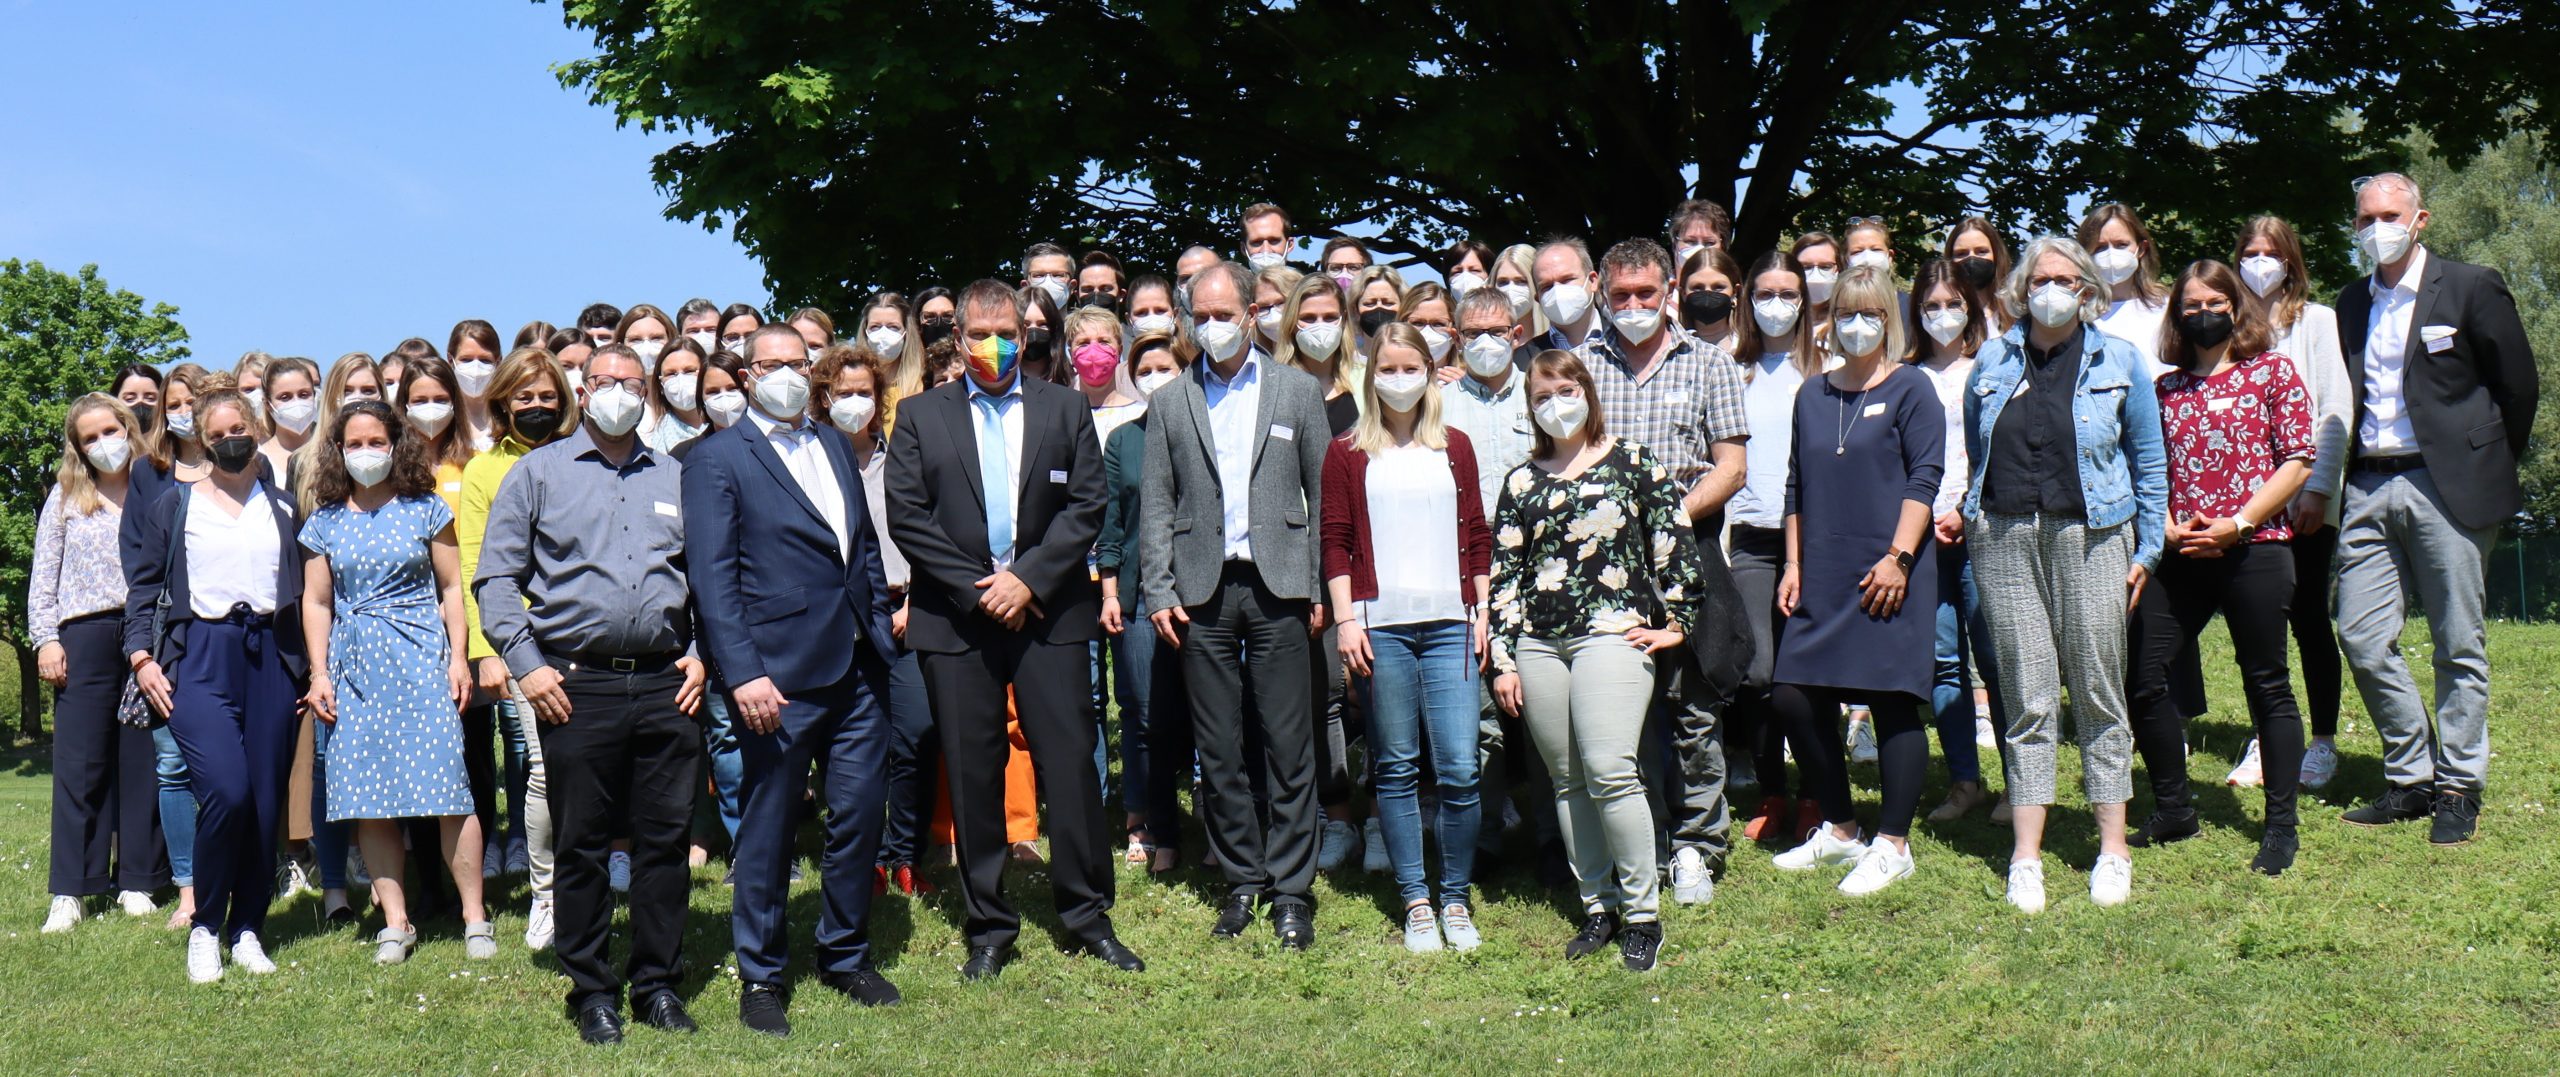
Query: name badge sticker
{"type": "Point", "coordinates": [1058, 477]}
{"type": "Point", "coordinates": [1676, 398]}
{"type": "Point", "coordinates": [1593, 489]}
{"type": "Point", "coordinates": [2438, 338]}
{"type": "Point", "coordinates": [1282, 431]}
{"type": "Point", "coordinates": [2223, 404]}
{"type": "Point", "coordinates": [1872, 411]}
{"type": "Point", "coordinates": [665, 509]}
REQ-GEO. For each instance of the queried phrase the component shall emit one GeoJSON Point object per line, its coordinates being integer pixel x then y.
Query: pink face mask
{"type": "Point", "coordinates": [1095, 362]}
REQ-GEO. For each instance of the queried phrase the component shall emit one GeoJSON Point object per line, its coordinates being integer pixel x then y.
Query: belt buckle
{"type": "Point", "coordinates": [624, 665]}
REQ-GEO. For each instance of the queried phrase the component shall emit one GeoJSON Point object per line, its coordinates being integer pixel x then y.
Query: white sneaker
{"type": "Point", "coordinates": [1336, 844]}
{"type": "Point", "coordinates": [617, 872]}
{"type": "Point", "coordinates": [537, 925]}
{"type": "Point", "coordinates": [1983, 735]}
{"type": "Point", "coordinates": [204, 956]}
{"type": "Point", "coordinates": [1373, 854]}
{"type": "Point", "coordinates": [62, 914]}
{"type": "Point", "coordinates": [2026, 885]}
{"type": "Point", "coordinates": [2250, 772]}
{"type": "Point", "coordinates": [1822, 849]}
{"type": "Point", "coordinates": [1691, 882]}
{"type": "Point", "coordinates": [136, 903]}
{"type": "Point", "coordinates": [2319, 763]}
{"type": "Point", "coordinates": [2111, 881]}
{"type": "Point", "coordinates": [1862, 738]}
{"type": "Point", "coordinates": [1421, 930]}
{"type": "Point", "coordinates": [1459, 924]}
{"type": "Point", "coordinates": [292, 878]}
{"type": "Point", "coordinates": [246, 953]}
{"type": "Point", "coordinates": [1880, 866]}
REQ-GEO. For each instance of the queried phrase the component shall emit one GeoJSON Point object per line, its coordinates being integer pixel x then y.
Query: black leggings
{"type": "Point", "coordinates": [2314, 633]}
{"type": "Point", "coordinates": [2252, 587]}
{"type": "Point", "coordinates": [1812, 718]}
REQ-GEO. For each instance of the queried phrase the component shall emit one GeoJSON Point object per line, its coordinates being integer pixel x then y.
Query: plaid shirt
{"type": "Point", "coordinates": [1691, 399]}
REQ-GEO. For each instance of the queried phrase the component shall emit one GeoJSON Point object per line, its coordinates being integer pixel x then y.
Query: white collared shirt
{"type": "Point", "coordinates": [231, 560]}
{"type": "Point", "coordinates": [2383, 429]}
{"type": "Point", "coordinates": [806, 458]}
{"type": "Point", "coordinates": [1234, 405]}
{"type": "Point", "coordinates": [1496, 423]}
{"type": "Point", "coordinates": [1008, 415]}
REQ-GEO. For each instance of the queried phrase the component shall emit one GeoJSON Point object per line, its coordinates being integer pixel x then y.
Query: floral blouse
{"type": "Point", "coordinates": [1596, 554]}
{"type": "Point", "coordinates": [79, 568]}
{"type": "Point", "coordinates": [2229, 433]}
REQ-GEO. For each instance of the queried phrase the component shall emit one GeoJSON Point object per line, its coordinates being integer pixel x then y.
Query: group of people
{"type": "Point", "coordinates": [1630, 532]}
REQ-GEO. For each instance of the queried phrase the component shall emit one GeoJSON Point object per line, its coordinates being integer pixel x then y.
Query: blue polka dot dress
{"type": "Point", "coordinates": [397, 750]}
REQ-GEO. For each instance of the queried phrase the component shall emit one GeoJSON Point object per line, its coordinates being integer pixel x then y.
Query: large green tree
{"type": "Point", "coordinates": [61, 336]}
{"type": "Point", "coordinates": [851, 143]}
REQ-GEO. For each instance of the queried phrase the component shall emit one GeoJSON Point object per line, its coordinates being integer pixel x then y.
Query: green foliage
{"type": "Point", "coordinates": [60, 336]}
{"type": "Point", "coordinates": [849, 144]}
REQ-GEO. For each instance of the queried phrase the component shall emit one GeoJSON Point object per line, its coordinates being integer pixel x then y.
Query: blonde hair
{"type": "Point", "coordinates": [520, 367]}
{"type": "Point", "coordinates": [1524, 257]}
{"type": "Point", "coordinates": [1284, 346]}
{"type": "Point", "coordinates": [79, 478]}
{"type": "Point", "coordinates": [1081, 317]}
{"type": "Point", "coordinates": [1426, 292]}
{"type": "Point", "coordinates": [307, 464]}
{"type": "Point", "coordinates": [2146, 273]}
{"type": "Point", "coordinates": [1370, 435]}
{"type": "Point", "coordinates": [1868, 286]}
{"type": "Point", "coordinates": [1360, 287]}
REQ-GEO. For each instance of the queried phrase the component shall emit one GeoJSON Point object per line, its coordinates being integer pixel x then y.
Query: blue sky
{"type": "Point", "coordinates": [313, 179]}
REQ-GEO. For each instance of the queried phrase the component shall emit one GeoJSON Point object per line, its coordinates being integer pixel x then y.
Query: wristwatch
{"type": "Point", "coordinates": [1903, 558]}
{"type": "Point", "coordinates": [2247, 530]}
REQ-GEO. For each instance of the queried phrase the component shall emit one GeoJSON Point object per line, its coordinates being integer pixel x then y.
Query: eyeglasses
{"type": "Point", "coordinates": [763, 367]}
{"type": "Point", "coordinates": [2072, 281]}
{"type": "Point", "coordinates": [600, 383]}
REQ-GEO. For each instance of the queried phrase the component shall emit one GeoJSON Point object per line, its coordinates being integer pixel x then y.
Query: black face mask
{"type": "Point", "coordinates": [1976, 272]}
{"type": "Point", "coordinates": [1703, 308]}
{"type": "Point", "coordinates": [537, 424]}
{"type": "Point", "coordinates": [936, 330]}
{"type": "Point", "coordinates": [1373, 320]}
{"type": "Point", "coordinates": [1103, 300]}
{"type": "Point", "coordinates": [2205, 328]}
{"type": "Point", "coordinates": [233, 454]}
{"type": "Point", "coordinates": [142, 414]}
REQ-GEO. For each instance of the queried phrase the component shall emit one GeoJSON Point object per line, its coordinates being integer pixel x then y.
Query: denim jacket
{"type": "Point", "coordinates": [2124, 465]}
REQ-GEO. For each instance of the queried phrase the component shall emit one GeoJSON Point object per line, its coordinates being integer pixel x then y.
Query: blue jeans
{"type": "Point", "coordinates": [720, 740]}
{"type": "Point", "coordinates": [1951, 696]}
{"type": "Point", "coordinates": [518, 770]}
{"type": "Point", "coordinates": [328, 839]}
{"type": "Point", "coordinates": [1146, 703]}
{"type": "Point", "coordinates": [177, 808]}
{"type": "Point", "coordinates": [1422, 678]}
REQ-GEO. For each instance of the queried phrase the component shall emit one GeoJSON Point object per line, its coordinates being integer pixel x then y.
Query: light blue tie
{"type": "Point", "coordinates": [995, 472]}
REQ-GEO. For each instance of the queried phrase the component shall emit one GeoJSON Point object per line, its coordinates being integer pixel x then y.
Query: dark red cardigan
{"type": "Point", "coordinates": [1344, 535]}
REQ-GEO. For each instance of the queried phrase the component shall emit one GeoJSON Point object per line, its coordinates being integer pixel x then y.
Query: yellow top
{"type": "Point", "coordinates": [480, 479]}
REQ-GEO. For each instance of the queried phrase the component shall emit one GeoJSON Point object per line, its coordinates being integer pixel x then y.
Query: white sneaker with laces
{"type": "Point", "coordinates": [1691, 882]}
{"type": "Point", "coordinates": [1983, 735]}
{"type": "Point", "coordinates": [617, 872]}
{"type": "Point", "coordinates": [1335, 845]}
{"type": "Point", "coordinates": [62, 915]}
{"type": "Point", "coordinates": [2319, 763]}
{"type": "Point", "coordinates": [1822, 849]}
{"type": "Point", "coordinates": [2250, 772]}
{"type": "Point", "coordinates": [537, 925]}
{"type": "Point", "coordinates": [1880, 866]}
{"type": "Point", "coordinates": [1459, 925]}
{"type": "Point", "coordinates": [1373, 853]}
{"type": "Point", "coordinates": [135, 903]}
{"type": "Point", "coordinates": [1421, 930]}
{"type": "Point", "coordinates": [2026, 885]}
{"type": "Point", "coordinates": [2111, 881]}
{"type": "Point", "coordinates": [204, 956]}
{"type": "Point", "coordinates": [246, 953]}
{"type": "Point", "coordinates": [1862, 739]}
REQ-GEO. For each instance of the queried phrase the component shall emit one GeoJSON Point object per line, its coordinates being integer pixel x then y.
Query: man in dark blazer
{"type": "Point", "coordinates": [794, 613]}
{"type": "Point", "coordinates": [995, 498]}
{"type": "Point", "coordinates": [2445, 391]}
{"type": "Point", "coordinates": [1227, 548]}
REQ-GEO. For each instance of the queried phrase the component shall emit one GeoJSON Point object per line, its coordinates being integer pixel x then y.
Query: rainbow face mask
{"type": "Point", "coordinates": [992, 362]}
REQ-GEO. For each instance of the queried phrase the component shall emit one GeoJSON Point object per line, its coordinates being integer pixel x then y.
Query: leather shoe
{"type": "Point", "coordinates": [1113, 953]}
{"type": "Point", "coordinates": [665, 1012]}
{"type": "Point", "coordinates": [865, 986]}
{"type": "Point", "coordinates": [907, 882]}
{"type": "Point", "coordinates": [1234, 916]}
{"type": "Point", "coordinates": [1295, 926]}
{"type": "Point", "coordinates": [600, 1022]}
{"type": "Point", "coordinates": [763, 1008]}
{"type": "Point", "coordinates": [2163, 828]}
{"type": "Point", "coordinates": [986, 961]}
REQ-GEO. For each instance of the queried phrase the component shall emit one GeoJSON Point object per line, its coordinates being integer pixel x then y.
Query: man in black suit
{"type": "Point", "coordinates": [2445, 391]}
{"type": "Point", "coordinates": [995, 498]}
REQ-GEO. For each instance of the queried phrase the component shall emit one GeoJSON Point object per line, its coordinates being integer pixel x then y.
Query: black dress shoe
{"type": "Point", "coordinates": [600, 1022]}
{"type": "Point", "coordinates": [1113, 953]}
{"type": "Point", "coordinates": [1597, 930]}
{"type": "Point", "coordinates": [865, 986]}
{"type": "Point", "coordinates": [986, 961]}
{"type": "Point", "coordinates": [1295, 925]}
{"type": "Point", "coordinates": [2399, 804]}
{"type": "Point", "coordinates": [1639, 945]}
{"type": "Point", "coordinates": [1234, 916]}
{"type": "Point", "coordinates": [2457, 817]}
{"type": "Point", "coordinates": [2275, 850]}
{"type": "Point", "coordinates": [2163, 828]}
{"type": "Point", "coordinates": [763, 1007]}
{"type": "Point", "coordinates": [664, 1011]}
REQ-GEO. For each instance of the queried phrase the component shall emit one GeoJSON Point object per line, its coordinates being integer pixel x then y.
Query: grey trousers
{"type": "Point", "coordinates": [2395, 537]}
{"type": "Point", "coordinates": [1585, 700]}
{"type": "Point", "coordinates": [2053, 601]}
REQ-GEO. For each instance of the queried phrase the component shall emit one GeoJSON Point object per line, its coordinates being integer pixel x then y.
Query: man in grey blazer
{"type": "Point", "coordinates": [1227, 557]}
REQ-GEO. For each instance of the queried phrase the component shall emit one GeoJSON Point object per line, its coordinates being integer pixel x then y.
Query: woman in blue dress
{"type": "Point", "coordinates": [382, 618]}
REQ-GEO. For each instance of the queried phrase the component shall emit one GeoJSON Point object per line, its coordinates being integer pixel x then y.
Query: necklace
{"type": "Point", "coordinates": [1849, 416]}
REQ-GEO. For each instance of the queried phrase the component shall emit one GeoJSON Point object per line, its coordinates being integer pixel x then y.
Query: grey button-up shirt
{"type": "Point", "coordinates": [583, 556]}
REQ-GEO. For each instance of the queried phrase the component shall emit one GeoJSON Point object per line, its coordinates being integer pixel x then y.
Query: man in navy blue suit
{"type": "Point", "coordinates": [995, 496]}
{"type": "Point", "coordinates": [795, 617]}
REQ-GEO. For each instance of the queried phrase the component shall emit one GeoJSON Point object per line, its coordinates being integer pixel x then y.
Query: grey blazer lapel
{"type": "Point", "coordinates": [1198, 403]}
{"type": "Point", "coordinates": [1266, 404]}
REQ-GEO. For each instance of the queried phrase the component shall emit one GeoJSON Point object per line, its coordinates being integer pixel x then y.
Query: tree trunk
{"type": "Point", "coordinates": [30, 693]}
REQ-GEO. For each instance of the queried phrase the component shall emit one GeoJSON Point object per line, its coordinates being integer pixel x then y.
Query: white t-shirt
{"type": "Point", "coordinates": [1769, 404]}
{"type": "Point", "coordinates": [2137, 322]}
{"type": "Point", "coordinates": [1413, 538]}
{"type": "Point", "coordinates": [231, 560]}
{"type": "Point", "coordinates": [1950, 386]}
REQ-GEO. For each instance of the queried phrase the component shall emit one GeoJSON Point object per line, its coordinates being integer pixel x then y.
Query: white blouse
{"type": "Point", "coordinates": [232, 560]}
{"type": "Point", "coordinates": [1413, 538]}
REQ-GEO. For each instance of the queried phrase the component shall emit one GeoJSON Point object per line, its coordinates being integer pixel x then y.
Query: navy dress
{"type": "Point", "coordinates": [1847, 495]}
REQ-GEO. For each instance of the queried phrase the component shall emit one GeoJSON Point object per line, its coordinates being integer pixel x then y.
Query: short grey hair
{"type": "Point", "coordinates": [1485, 301]}
{"type": "Point", "coordinates": [1580, 249]}
{"type": "Point", "coordinates": [2401, 180]}
{"type": "Point", "coordinates": [2013, 292]}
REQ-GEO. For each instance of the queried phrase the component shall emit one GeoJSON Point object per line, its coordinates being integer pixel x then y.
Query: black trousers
{"type": "Point", "coordinates": [913, 753]}
{"type": "Point", "coordinates": [626, 761]}
{"type": "Point", "coordinates": [2315, 631]}
{"type": "Point", "coordinates": [1752, 728]}
{"type": "Point", "coordinates": [2251, 585]}
{"type": "Point", "coordinates": [1812, 717]}
{"type": "Point", "coordinates": [1243, 617]}
{"type": "Point", "coordinates": [1053, 696]}
{"type": "Point", "coordinates": [106, 775]}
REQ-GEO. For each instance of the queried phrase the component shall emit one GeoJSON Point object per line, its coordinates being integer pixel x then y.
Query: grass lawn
{"type": "Point", "coordinates": [2377, 954]}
